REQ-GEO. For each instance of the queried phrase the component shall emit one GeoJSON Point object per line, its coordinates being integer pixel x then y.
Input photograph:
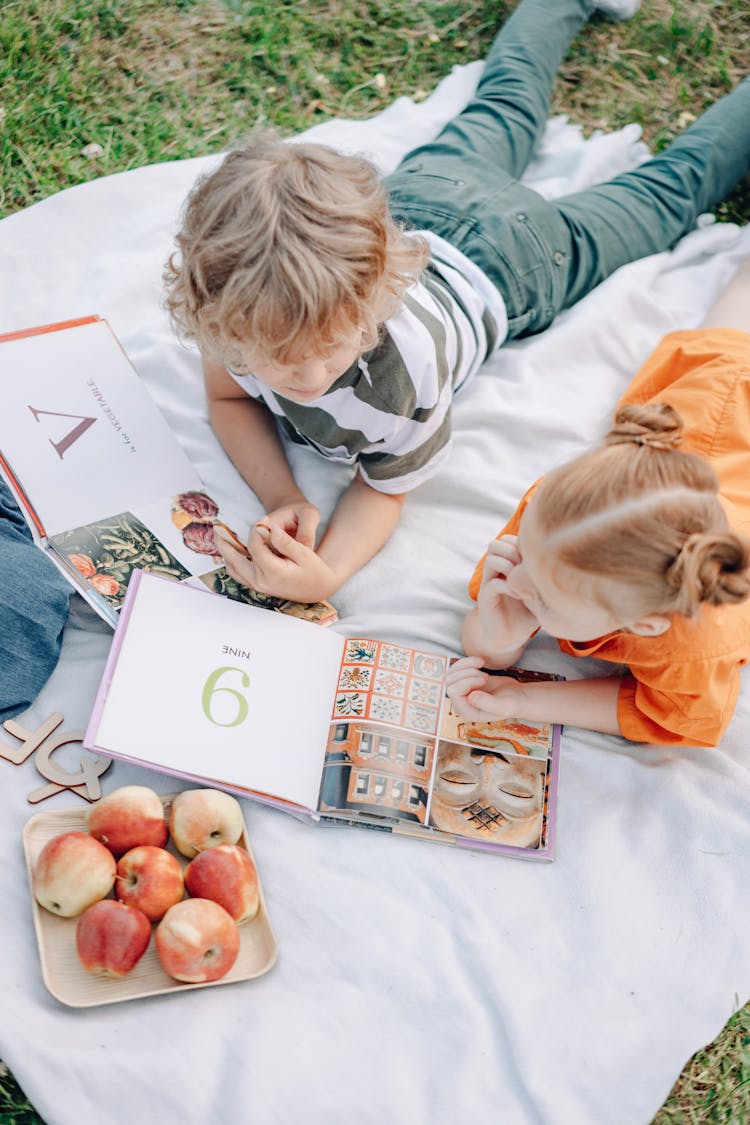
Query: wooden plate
{"type": "Point", "coordinates": [63, 973]}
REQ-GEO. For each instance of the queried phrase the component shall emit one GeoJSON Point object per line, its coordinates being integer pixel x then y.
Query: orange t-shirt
{"type": "Point", "coordinates": [683, 685]}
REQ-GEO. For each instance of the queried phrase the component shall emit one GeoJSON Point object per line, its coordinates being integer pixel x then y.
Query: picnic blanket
{"type": "Point", "coordinates": [415, 983]}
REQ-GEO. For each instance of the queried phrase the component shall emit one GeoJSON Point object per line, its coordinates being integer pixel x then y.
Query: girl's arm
{"type": "Point", "coordinates": [480, 697]}
{"type": "Point", "coordinates": [477, 642]}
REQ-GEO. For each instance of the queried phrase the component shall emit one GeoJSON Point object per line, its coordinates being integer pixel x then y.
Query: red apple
{"type": "Point", "coordinates": [197, 941]}
{"type": "Point", "coordinates": [151, 879]}
{"type": "Point", "coordinates": [203, 818]}
{"type": "Point", "coordinates": [226, 874]}
{"type": "Point", "coordinates": [111, 937]}
{"type": "Point", "coordinates": [72, 871]}
{"type": "Point", "coordinates": [127, 817]}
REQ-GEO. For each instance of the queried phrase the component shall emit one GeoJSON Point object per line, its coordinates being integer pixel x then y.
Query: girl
{"type": "Point", "coordinates": [633, 553]}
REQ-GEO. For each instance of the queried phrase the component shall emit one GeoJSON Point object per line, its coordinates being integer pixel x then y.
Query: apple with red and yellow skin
{"type": "Point", "coordinates": [127, 817]}
{"type": "Point", "coordinates": [72, 871]}
{"type": "Point", "coordinates": [197, 941]}
{"type": "Point", "coordinates": [151, 879]}
{"type": "Point", "coordinates": [227, 875]}
{"type": "Point", "coordinates": [111, 937]}
{"type": "Point", "coordinates": [203, 818]}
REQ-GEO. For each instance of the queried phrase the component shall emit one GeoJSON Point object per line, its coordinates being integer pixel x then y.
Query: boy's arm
{"type": "Point", "coordinates": [361, 524]}
{"type": "Point", "coordinates": [279, 564]}
{"type": "Point", "coordinates": [247, 431]}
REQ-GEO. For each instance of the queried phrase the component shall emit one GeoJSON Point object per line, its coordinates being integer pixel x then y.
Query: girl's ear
{"type": "Point", "coordinates": [653, 625]}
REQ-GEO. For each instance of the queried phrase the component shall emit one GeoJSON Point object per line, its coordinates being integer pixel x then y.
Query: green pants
{"type": "Point", "coordinates": [544, 255]}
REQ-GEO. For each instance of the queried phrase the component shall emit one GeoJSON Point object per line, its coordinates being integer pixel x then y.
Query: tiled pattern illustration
{"type": "Point", "coordinates": [391, 684]}
{"type": "Point", "coordinates": [386, 709]}
{"type": "Point", "coordinates": [349, 703]}
{"type": "Point", "coordinates": [355, 676]}
{"type": "Point", "coordinates": [393, 656]}
{"type": "Point", "coordinates": [425, 691]}
{"type": "Point", "coordinates": [360, 652]}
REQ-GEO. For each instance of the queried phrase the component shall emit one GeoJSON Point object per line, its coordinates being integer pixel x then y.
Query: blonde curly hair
{"type": "Point", "coordinates": [284, 248]}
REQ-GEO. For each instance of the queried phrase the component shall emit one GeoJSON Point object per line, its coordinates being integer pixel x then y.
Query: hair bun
{"type": "Point", "coordinates": [715, 568]}
{"type": "Point", "coordinates": [655, 424]}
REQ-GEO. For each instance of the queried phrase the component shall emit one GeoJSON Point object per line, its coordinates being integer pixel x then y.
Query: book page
{"type": "Point", "coordinates": [210, 688]}
{"type": "Point", "coordinates": [398, 752]}
{"type": "Point", "coordinates": [80, 432]}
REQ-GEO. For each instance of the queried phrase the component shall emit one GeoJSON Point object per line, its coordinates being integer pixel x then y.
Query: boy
{"type": "Point", "coordinates": [317, 305]}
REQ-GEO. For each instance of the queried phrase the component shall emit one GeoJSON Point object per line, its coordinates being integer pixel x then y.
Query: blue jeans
{"type": "Point", "coordinates": [544, 255]}
{"type": "Point", "coordinates": [34, 600]}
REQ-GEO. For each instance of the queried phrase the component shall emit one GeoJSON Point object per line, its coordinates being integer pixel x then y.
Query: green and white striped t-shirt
{"type": "Point", "coordinates": [390, 412]}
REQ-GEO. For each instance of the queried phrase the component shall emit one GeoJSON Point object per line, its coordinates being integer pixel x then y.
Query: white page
{"type": "Point", "coordinates": [159, 704]}
{"type": "Point", "coordinates": [76, 471]}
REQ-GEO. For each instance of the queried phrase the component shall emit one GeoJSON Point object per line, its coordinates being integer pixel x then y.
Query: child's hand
{"type": "Point", "coordinates": [280, 565]}
{"type": "Point", "coordinates": [503, 619]}
{"type": "Point", "coordinates": [300, 520]}
{"type": "Point", "coordinates": [482, 698]}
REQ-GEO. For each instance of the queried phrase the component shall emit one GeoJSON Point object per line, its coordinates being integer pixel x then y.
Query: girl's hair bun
{"type": "Point", "coordinates": [712, 568]}
{"type": "Point", "coordinates": [654, 424]}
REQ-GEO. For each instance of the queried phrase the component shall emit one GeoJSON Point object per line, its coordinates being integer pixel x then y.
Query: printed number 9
{"type": "Point", "coordinates": [210, 689]}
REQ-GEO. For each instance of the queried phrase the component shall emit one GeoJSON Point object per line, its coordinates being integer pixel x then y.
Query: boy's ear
{"type": "Point", "coordinates": [652, 625]}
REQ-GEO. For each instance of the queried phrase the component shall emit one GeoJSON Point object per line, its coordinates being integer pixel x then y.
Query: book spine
{"type": "Point", "coordinates": [43, 329]}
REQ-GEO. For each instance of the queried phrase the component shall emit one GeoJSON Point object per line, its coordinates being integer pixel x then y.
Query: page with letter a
{"type": "Point", "coordinates": [205, 687]}
{"type": "Point", "coordinates": [80, 433]}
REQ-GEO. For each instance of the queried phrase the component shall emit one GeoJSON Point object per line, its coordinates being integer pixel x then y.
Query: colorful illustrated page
{"type": "Point", "coordinates": [398, 751]}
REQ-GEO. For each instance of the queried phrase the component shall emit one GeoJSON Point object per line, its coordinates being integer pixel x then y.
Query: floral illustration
{"type": "Point", "coordinates": [350, 703]}
{"type": "Point", "coordinates": [386, 709]}
{"type": "Point", "coordinates": [197, 504]}
{"type": "Point", "coordinates": [389, 683]}
{"type": "Point", "coordinates": [432, 667]}
{"type": "Point", "coordinates": [199, 537]}
{"type": "Point", "coordinates": [355, 677]}
{"type": "Point", "coordinates": [107, 553]}
{"type": "Point", "coordinates": [425, 691]}
{"type": "Point", "coordinates": [392, 656]}
{"type": "Point", "coordinates": [363, 652]}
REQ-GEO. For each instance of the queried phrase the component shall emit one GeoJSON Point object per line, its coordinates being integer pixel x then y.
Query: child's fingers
{"type": "Point", "coordinates": [500, 561]}
{"type": "Point", "coordinates": [307, 526]}
{"type": "Point", "coordinates": [240, 566]}
{"type": "Point", "coordinates": [505, 547]}
{"type": "Point", "coordinates": [470, 674]}
{"type": "Point", "coordinates": [462, 689]}
{"type": "Point", "coordinates": [485, 705]}
{"type": "Point", "coordinates": [495, 567]}
{"type": "Point", "coordinates": [460, 665]}
{"type": "Point", "coordinates": [464, 676]}
{"type": "Point", "coordinates": [261, 544]}
{"type": "Point", "coordinates": [221, 531]}
{"type": "Point", "coordinates": [286, 546]}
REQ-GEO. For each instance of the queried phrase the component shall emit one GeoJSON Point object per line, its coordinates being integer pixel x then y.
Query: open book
{"type": "Point", "coordinates": [99, 477]}
{"type": "Point", "coordinates": [342, 730]}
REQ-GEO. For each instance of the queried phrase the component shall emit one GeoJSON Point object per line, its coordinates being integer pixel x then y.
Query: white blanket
{"type": "Point", "coordinates": [415, 984]}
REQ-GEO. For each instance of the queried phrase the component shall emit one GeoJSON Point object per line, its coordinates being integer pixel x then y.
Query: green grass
{"type": "Point", "coordinates": [152, 80]}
